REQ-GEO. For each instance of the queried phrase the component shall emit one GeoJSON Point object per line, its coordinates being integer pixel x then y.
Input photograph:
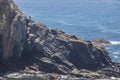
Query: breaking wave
{"type": "Point", "coordinates": [115, 42]}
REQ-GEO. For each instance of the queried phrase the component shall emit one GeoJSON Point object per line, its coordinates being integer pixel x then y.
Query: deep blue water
{"type": "Point", "coordinates": [88, 19]}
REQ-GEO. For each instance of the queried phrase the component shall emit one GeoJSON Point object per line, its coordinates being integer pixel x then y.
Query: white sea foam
{"type": "Point", "coordinates": [115, 56]}
{"type": "Point", "coordinates": [115, 42]}
{"type": "Point", "coordinates": [64, 22]}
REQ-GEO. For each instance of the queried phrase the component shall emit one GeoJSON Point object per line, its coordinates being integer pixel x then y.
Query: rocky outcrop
{"type": "Point", "coordinates": [101, 41]}
{"type": "Point", "coordinates": [12, 29]}
{"type": "Point", "coordinates": [28, 43]}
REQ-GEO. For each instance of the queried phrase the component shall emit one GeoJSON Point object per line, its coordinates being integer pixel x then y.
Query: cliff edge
{"type": "Point", "coordinates": [27, 43]}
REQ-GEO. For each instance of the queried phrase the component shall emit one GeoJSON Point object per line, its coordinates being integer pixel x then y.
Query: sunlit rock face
{"type": "Point", "coordinates": [24, 42]}
{"type": "Point", "coordinates": [12, 30]}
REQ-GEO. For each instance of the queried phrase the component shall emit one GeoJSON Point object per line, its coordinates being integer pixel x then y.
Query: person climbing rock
{"type": "Point", "coordinates": [28, 20]}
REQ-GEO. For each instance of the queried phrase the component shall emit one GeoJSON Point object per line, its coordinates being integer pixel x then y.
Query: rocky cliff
{"type": "Point", "coordinates": [12, 31]}
{"type": "Point", "coordinates": [24, 42]}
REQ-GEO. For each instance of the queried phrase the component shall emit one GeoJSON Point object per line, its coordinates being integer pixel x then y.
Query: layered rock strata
{"type": "Point", "coordinates": [24, 42]}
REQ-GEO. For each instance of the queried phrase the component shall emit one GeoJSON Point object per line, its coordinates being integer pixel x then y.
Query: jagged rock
{"type": "Point", "coordinates": [53, 76]}
{"type": "Point", "coordinates": [88, 74]}
{"type": "Point", "coordinates": [101, 40]}
{"type": "Point", "coordinates": [28, 43]}
{"type": "Point", "coordinates": [113, 70]}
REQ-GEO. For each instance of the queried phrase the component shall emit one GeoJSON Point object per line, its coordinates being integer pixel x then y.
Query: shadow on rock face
{"type": "Point", "coordinates": [87, 56]}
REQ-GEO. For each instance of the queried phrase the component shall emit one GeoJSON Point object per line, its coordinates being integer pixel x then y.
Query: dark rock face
{"type": "Point", "coordinates": [60, 47]}
{"type": "Point", "coordinates": [29, 43]}
{"type": "Point", "coordinates": [12, 31]}
{"type": "Point", "coordinates": [88, 56]}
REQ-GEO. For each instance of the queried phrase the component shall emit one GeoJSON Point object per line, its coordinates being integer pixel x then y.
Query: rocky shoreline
{"type": "Point", "coordinates": [32, 75]}
{"type": "Point", "coordinates": [38, 76]}
{"type": "Point", "coordinates": [27, 45]}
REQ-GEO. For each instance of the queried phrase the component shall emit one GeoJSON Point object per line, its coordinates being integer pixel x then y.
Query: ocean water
{"type": "Point", "coordinates": [88, 19]}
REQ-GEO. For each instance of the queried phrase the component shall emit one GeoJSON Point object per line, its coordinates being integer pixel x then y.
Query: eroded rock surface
{"type": "Point", "coordinates": [28, 43]}
{"type": "Point", "coordinates": [101, 41]}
